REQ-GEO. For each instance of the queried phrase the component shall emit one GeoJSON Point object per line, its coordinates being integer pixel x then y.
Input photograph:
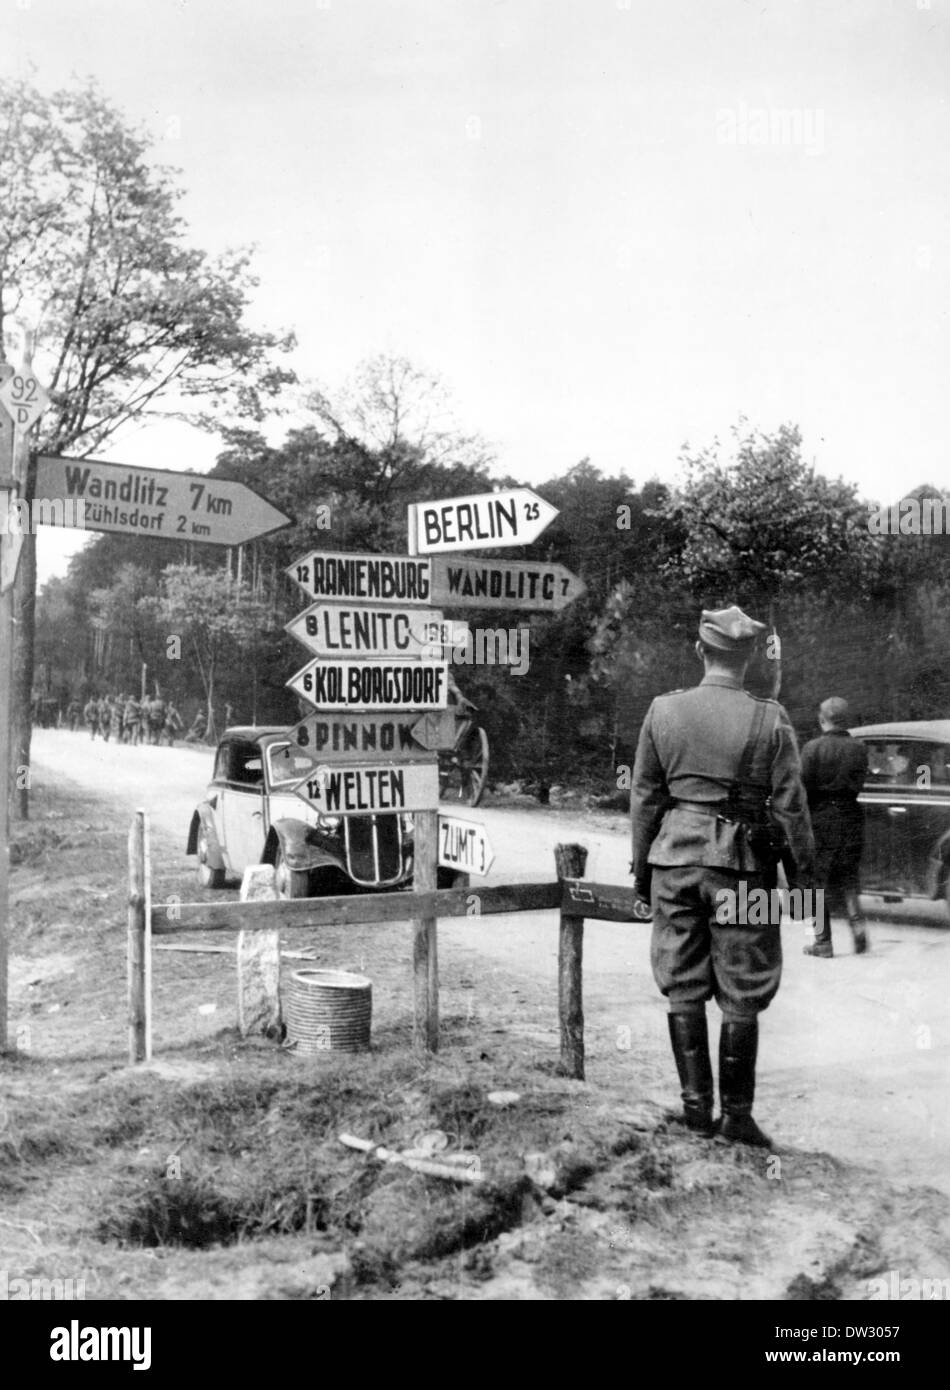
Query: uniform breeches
{"type": "Point", "coordinates": [696, 957]}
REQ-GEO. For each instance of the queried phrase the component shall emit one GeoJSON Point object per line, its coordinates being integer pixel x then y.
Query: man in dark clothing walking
{"type": "Point", "coordinates": [834, 769]}
{"type": "Point", "coordinates": [709, 761]}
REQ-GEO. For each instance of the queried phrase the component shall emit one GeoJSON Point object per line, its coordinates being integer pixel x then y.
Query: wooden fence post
{"type": "Point", "coordinates": [138, 1008]}
{"type": "Point", "coordinates": [571, 861]}
{"type": "Point", "coordinates": [425, 954]}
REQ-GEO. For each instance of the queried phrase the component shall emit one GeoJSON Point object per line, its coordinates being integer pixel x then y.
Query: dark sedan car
{"type": "Point", "coordinates": [250, 815]}
{"type": "Point", "coordinates": [906, 801]}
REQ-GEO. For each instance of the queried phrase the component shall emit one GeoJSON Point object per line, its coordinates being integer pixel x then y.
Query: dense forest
{"type": "Point", "coordinates": [856, 614]}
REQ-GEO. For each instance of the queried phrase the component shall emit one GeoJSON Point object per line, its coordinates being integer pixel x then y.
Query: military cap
{"type": "Point", "coordinates": [729, 629]}
{"type": "Point", "coordinates": [835, 710]}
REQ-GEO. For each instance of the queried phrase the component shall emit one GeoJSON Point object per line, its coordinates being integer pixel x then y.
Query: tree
{"type": "Point", "coordinates": [211, 615]}
{"type": "Point", "coordinates": [130, 321]}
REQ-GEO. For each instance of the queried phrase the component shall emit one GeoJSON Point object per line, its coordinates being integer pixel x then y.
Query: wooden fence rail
{"type": "Point", "coordinates": [573, 896]}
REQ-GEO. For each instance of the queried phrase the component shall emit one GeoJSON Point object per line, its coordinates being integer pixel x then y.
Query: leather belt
{"type": "Point", "coordinates": [705, 808]}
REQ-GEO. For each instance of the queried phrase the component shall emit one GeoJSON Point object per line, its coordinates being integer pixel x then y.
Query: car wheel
{"type": "Point", "coordinates": [642, 911]}
{"type": "Point", "coordinates": [290, 883]}
{"type": "Point", "coordinates": [208, 875]}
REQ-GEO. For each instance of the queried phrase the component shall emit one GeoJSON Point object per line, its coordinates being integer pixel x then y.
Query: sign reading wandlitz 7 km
{"type": "Point", "coordinates": [156, 502]}
{"type": "Point", "coordinates": [363, 789]}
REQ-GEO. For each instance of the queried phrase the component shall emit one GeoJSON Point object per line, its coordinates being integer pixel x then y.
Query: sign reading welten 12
{"type": "Point", "coordinates": [362, 790]}
{"type": "Point", "coordinates": [463, 582]}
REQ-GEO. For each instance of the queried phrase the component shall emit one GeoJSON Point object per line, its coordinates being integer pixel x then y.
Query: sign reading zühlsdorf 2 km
{"type": "Point", "coordinates": [158, 503]}
{"type": "Point", "coordinates": [514, 517]}
{"type": "Point", "coordinates": [361, 790]}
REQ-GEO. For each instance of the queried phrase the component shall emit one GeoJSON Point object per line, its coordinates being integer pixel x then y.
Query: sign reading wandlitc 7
{"type": "Point", "coordinates": [514, 517]}
{"type": "Point", "coordinates": [360, 790]}
{"type": "Point", "coordinates": [156, 502]}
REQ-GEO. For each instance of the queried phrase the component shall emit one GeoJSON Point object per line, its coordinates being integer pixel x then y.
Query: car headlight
{"type": "Point", "coordinates": [407, 822]}
{"type": "Point", "coordinates": [329, 824]}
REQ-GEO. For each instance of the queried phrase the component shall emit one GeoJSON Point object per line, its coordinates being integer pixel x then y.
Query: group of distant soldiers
{"type": "Point", "coordinates": [128, 720]}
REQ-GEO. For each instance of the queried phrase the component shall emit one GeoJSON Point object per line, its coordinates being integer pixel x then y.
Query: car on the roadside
{"type": "Point", "coordinates": [906, 801]}
{"type": "Point", "coordinates": [251, 815]}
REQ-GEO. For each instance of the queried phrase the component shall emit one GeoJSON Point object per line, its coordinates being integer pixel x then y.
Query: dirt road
{"type": "Point", "coordinates": [855, 1051]}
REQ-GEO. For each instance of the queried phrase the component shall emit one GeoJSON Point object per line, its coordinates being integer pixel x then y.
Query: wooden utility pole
{"type": "Point", "coordinates": [425, 958]}
{"type": "Point", "coordinates": [7, 495]}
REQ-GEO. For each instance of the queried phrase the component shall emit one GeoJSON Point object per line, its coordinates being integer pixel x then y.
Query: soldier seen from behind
{"type": "Point", "coordinates": [717, 775]}
{"type": "Point", "coordinates": [834, 769]}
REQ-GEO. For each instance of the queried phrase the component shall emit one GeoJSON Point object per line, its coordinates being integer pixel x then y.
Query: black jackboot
{"type": "Point", "coordinates": [690, 1040]}
{"type": "Point", "coordinates": [857, 922]}
{"type": "Point", "coordinates": [738, 1047]}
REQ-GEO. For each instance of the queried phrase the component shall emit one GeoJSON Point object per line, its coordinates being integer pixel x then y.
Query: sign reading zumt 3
{"type": "Point", "coordinates": [516, 516]}
{"type": "Point", "coordinates": [365, 788]}
{"type": "Point", "coordinates": [464, 845]}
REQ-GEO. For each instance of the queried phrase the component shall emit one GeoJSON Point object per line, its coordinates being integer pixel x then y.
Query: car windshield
{"type": "Point", "coordinates": [907, 763]}
{"type": "Point", "coordinates": [287, 765]}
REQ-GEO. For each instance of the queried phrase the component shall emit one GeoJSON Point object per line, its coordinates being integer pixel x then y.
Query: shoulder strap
{"type": "Point", "coordinates": [752, 742]}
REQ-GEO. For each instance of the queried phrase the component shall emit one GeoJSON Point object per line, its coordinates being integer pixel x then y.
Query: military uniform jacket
{"type": "Point", "coordinates": [691, 745]}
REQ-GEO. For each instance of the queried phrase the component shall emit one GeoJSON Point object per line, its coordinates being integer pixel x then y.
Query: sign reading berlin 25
{"type": "Point", "coordinates": [514, 517]}
{"type": "Point", "coordinates": [360, 790]}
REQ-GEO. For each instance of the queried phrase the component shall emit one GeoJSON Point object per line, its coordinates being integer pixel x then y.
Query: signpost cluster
{"type": "Point", "coordinates": [380, 649]}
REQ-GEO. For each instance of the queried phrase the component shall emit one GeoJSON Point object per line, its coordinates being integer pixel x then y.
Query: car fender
{"type": "Point", "coordinates": [204, 818]}
{"type": "Point", "coordinates": [298, 852]}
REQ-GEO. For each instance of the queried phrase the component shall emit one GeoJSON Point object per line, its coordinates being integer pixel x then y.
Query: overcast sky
{"type": "Point", "coordinates": [611, 226]}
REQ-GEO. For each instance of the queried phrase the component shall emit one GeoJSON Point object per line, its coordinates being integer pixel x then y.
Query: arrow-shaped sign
{"type": "Point", "coordinates": [516, 516]}
{"type": "Point", "coordinates": [467, 582]}
{"type": "Point", "coordinates": [154, 502]}
{"type": "Point", "coordinates": [373, 685]}
{"type": "Point", "coordinates": [366, 788]}
{"type": "Point", "coordinates": [464, 845]}
{"type": "Point", "coordinates": [461, 582]}
{"type": "Point", "coordinates": [355, 738]}
{"type": "Point", "coordinates": [356, 630]}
